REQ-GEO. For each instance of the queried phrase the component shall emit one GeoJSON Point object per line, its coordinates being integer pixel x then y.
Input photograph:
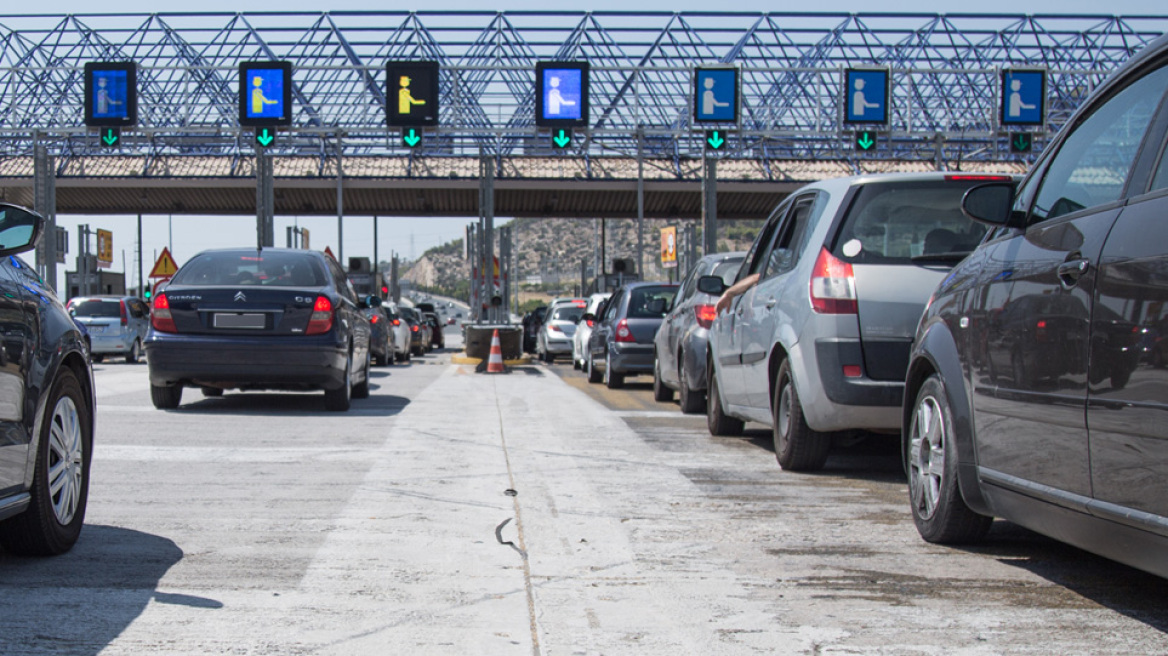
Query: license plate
{"type": "Point", "coordinates": [95, 329]}
{"type": "Point", "coordinates": [246, 321]}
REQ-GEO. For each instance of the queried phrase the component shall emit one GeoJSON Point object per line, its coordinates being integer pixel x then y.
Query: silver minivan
{"type": "Point", "coordinates": [820, 343]}
{"type": "Point", "coordinates": [117, 325]}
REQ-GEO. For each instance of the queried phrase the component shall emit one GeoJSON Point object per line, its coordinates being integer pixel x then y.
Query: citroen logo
{"type": "Point", "coordinates": [240, 297]}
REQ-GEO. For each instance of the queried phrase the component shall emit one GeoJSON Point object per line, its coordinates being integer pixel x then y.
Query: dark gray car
{"type": "Point", "coordinates": [622, 339]}
{"type": "Point", "coordinates": [680, 347]}
{"type": "Point", "coordinates": [1031, 393]}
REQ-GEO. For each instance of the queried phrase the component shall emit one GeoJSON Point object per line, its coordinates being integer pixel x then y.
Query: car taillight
{"type": "Point", "coordinates": [705, 314]}
{"type": "Point", "coordinates": [590, 322]}
{"type": "Point", "coordinates": [414, 328]}
{"type": "Point", "coordinates": [397, 322]}
{"type": "Point", "coordinates": [833, 285]}
{"type": "Point", "coordinates": [374, 319]}
{"type": "Point", "coordinates": [623, 333]}
{"type": "Point", "coordinates": [321, 320]}
{"type": "Point", "coordinates": [554, 328]}
{"type": "Point", "coordinates": [1040, 334]}
{"type": "Point", "coordinates": [122, 309]}
{"type": "Point", "coordinates": [161, 319]}
{"type": "Point", "coordinates": [972, 177]}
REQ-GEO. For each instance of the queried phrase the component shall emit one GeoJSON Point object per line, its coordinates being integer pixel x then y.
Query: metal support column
{"type": "Point", "coordinates": [505, 272]}
{"type": "Point", "coordinates": [141, 279]}
{"type": "Point", "coordinates": [487, 212]}
{"type": "Point", "coordinates": [265, 202]}
{"type": "Point", "coordinates": [709, 207]}
{"type": "Point", "coordinates": [376, 262]}
{"type": "Point", "coordinates": [45, 202]}
{"type": "Point", "coordinates": [641, 203]}
{"type": "Point", "coordinates": [340, 202]}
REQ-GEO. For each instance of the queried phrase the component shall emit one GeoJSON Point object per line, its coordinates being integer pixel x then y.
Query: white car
{"type": "Point", "coordinates": [584, 330]}
{"type": "Point", "coordinates": [399, 333]}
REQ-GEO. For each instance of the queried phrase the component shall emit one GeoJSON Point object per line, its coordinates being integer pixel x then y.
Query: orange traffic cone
{"type": "Point", "coordinates": [495, 361]}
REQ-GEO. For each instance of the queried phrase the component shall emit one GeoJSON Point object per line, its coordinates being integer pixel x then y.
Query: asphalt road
{"type": "Point", "coordinates": [526, 513]}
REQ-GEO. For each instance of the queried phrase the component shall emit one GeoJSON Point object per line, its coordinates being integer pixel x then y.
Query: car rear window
{"type": "Point", "coordinates": [572, 313]}
{"type": "Point", "coordinates": [895, 222]}
{"type": "Point", "coordinates": [96, 309]}
{"type": "Point", "coordinates": [268, 269]}
{"type": "Point", "coordinates": [650, 302]}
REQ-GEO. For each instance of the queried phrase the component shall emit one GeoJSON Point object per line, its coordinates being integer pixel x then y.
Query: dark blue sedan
{"type": "Point", "coordinates": [271, 319]}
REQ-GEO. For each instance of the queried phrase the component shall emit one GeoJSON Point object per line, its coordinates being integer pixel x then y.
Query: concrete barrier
{"type": "Point", "coordinates": [478, 340]}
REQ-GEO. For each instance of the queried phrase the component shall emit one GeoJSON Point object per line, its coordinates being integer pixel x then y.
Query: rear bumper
{"type": "Point", "coordinates": [833, 402]}
{"type": "Point", "coordinates": [832, 355]}
{"type": "Point", "coordinates": [631, 358]}
{"type": "Point", "coordinates": [695, 347]}
{"type": "Point", "coordinates": [106, 343]}
{"type": "Point", "coordinates": [274, 363]}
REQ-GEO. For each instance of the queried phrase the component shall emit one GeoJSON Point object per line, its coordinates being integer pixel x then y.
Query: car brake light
{"type": "Point", "coordinates": [967, 177]}
{"type": "Point", "coordinates": [122, 310]}
{"type": "Point", "coordinates": [553, 327]}
{"type": "Point", "coordinates": [397, 322]}
{"type": "Point", "coordinates": [590, 322]}
{"type": "Point", "coordinates": [705, 315]}
{"type": "Point", "coordinates": [321, 320]}
{"type": "Point", "coordinates": [1040, 331]}
{"type": "Point", "coordinates": [374, 319]}
{"type": "Point", "coordinates": [161, 319]}
{"type": "Point", "coordinates": [833, 285]}
{"type": "Point", "coordinates": [581, 304]}
{"type": "Point", "coordinates": [623, 334]}
{"type": "Point", "coordinates": [414, 328]}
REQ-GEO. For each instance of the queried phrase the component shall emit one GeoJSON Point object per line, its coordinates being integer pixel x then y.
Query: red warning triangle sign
{"type": "Point", "coordinates": [329, 252]}
{"type": "Point", "coordinates": [165, 266]}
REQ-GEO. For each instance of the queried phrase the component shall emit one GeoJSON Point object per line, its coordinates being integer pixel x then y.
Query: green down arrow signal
{"type": "Point", "coordinates": [562, 139]}
{"type": "Point", "coordinates": [110, 137]}
{"type": "Point", "coordinates": [865, 141]}
{"type": "Point", "coordinates": [264, 138]}
{"type": "Point", "coordinates": [715, 140]}
{"type": "Point", "coordinates": [411, 138]}
{"type": "Point", "coordinates": [1022, 143]}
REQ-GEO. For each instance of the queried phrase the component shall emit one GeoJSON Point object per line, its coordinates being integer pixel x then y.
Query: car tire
{"type": "Point", "coordinates": [576, 364]}
{"type": "Point", "coordinates": [52, 523]}
{"type": "Point", "coordinates": [135, 352]}
{"type": "Point", "coordinates": [96, 358]}
{"type": "Point", "coordinates": [692, 401]}
{"type": "Point", "coordinates": [939, 511]}
{"type": "Point", "coordinates": [661, 392]}
{"type": "Point", "coordinates": [594, 376]}
{"type": "Point", "coordinates": [361, 390]}
{"type": "Point", "coordinates": [381, 360]}
{"type": "Point", "coordinates": [797, 446]}
{"type": "Point", "coordinates": [166, 397]}
{"type": "Point", "coordinates": [340, 399]}
{"type": "Point", "coordinates": [612, 380]}
{"type": "Point", "coordinates": [717, 421]}
{"type": "Point", "coordinates": [212, 392]}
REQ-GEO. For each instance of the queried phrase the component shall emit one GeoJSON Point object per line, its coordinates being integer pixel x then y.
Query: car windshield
{"type": "Point", "coordinates": [571, 313]}
{"type": "Point", "coordinates": [892, 223]}
{"type": "Point", "coordinates": [94, 308]}
{"type": "Point", "coordinates": [266, 269]}
{"type": "Point", "coordinates": [650, 302]}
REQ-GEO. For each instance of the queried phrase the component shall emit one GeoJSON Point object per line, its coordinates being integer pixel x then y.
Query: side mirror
{"type": "Point", "coordinates": [990, 203]}
{"type": "Point", "coordinates": [372, 301]}
{"type": "Point", "coordinates": [712, 285]}
{"type": "Point", "coordinates": [19, 229]}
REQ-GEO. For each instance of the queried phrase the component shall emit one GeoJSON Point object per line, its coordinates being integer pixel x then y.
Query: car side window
{"type": "Point", "coordinates": [1093, 163]}
{"type": "Point", "coordinates": [612, 305]}
{"type": "Point", "coordinates": [341, 281]}
{"type": "Point", "coordinates": [690, 284]}
{"type": "Point", "coordinates": [784, 253]}
{"type": "Point", "coordinates": [754, 257]}
{"type": "Point", "coordinates": [1160, 180]}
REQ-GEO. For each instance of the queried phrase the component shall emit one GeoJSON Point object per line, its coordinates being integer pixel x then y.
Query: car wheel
{"type": "Point", "coordinates": [931, 461]}
{"type": "Point", "coordinates": [135, 352]}
{"type": "Point", "coordinates": [692, 401]}
{"type": "Point", "coordinates": [212, 392]}
{"type": "Point", "coordinates": [612, 380]}
{"type": "Point", "coordinates": [797, 446]}
{"type": "Point", "coordinates": [593, 375]}
{"type": "Point", "coordinates": [717, 421]}
{"type": "Point", "coordinates": [361, 390]}
{"type": "Point", "coordinates": [661, 393]}
{"type": "Point", "coordinates": [60, 484]}
{"type": "Point", "coordinates": [97, 358]}
{"type": "Point", "coordinates": [576, 364]}
{"type": "Point", "coordinates": [339, 400]}
{"type": "Point", "coordinates": [381, 359]}
{"type": "Point", "coordinates": [166, 397]}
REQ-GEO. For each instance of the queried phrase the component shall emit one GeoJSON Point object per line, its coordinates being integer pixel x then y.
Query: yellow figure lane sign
{"type": "Point", "coordinates": [668, 248]}
{"type": "Point", "coordinates": [411, 94]}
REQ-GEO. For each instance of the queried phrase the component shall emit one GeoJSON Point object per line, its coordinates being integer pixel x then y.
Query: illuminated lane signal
{"type": "Point", "coordinates": [1021, 142]}
{"type": "Point", "coordinates": [715, 139]}
{"type": "Point", "coordinates": [561, 139]}
{"type": "Point", "coordinates": [561, 94]}
{"type": "Point", "coordinates": [1023, 100]}
{"type": "Point", "coordinates": [411, 137]}
{"type": "Point", "coordinates": [411, 94]}
{"type": "Point", "coordinates": [265, 137]}
{"type": "Point", "coordinates": [265, 94]}
{"type": "Point", "coordinates": [866, 96]}
{"type": "Point", "coordinates": [111, 137]}
{"type": "Point", "coordinates": [717, 97]}
{"type": "Point", "coordinates": [865, 140]}
{"type": "Point", "coordinates": [111, 94]}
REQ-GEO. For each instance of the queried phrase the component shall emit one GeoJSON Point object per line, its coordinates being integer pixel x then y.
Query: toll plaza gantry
{"type": "Point", "coordinates": [562, 114]}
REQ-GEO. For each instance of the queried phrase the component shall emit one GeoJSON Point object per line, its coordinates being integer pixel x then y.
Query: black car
{"type": "Point", "coordinates": [46, 403]}
{"type": "Point", "coordinates": [259, 319]}
{"type": "Point", "coordinates": [1028, 396]}
{"type": "Point", "coordinates": [532, 322]}
{"type": "Point", "coordinates": [419, 338]}
{"type": "Point", "coordinates": [380, 325]}
{"type": "Point", "coordinates": [437, 337]}
{"type": "Point", "coordinates": [621, 343]}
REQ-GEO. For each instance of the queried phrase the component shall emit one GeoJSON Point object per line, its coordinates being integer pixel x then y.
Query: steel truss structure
{"type": "Point", "coordinates": [944, 99]}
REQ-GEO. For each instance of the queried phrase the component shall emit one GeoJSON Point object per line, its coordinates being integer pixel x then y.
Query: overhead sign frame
{"type": "Point", "coordinates": [274, 88]}
{"type": "Point", "coordinates": [717, 95]}
{"type": "Point", "coordinates": [561, 94]}
{"type": "Point", "coordinates": [410, 86]}
{"type": "Point", "coordinates": [111, 94]}
{"type": "Point", "coordinates": [1018, 104]}
{"type": "Point", "coordinates": [866, 87]}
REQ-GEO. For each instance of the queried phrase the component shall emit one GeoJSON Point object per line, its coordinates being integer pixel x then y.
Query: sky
{"type": "Point", "coordinates": [187, 235]}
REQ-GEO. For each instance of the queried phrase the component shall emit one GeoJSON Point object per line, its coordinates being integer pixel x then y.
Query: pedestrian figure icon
{"type": "Point", "coordinates": [865, 95]}
{"type": "Point", "coordinates": [258, 101]}
{"type": "Point", "coordinates": [715, 92]}
{"type": "Point", "coordinates": [556, 99]}
{"type": "Point", "coordinates": [406, 100]}
{"type": "Point", "coordinates": [709, 100]}
{"type": "Point", "coordinates": [1023, 97]}
{"type": "Point", "coordinates": [265, 94]}
{"type": "Point", "coordinates": [561, 95]}
{"type": "Point", "coordinates": [111, 94]}
{"type": "Point", "coordinates": [104, 99]}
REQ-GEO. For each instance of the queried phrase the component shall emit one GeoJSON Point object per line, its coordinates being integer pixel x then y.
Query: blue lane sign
{"type": "Point", "coordinates": [265, 94]}
{"type": "Point", "coordinates": [866, 95]}
{"type": "Point", "coordinates": [1023, 97]}
{"type": "Point", "coordinates": [716, 95]}
{"type": "Point", "coordinates": [561, 94]}
{"type": "Point", "coordinates": [111, 94]}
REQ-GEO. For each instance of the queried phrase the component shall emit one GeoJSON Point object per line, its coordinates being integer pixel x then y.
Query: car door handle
{"type": "Point", "coordinates": [771, 303]}
{"type": "Point", "coordinates": [1070, 271]}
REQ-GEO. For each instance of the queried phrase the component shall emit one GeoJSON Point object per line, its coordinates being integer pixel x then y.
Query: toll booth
{"type": "Point", "coordinates": [365, 281]}
{"type": "Point", "coordinates": [623, 271]}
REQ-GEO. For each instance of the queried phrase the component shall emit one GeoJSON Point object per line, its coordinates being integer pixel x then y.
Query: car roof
{"type": "Point", "coordinates": [840, 185]}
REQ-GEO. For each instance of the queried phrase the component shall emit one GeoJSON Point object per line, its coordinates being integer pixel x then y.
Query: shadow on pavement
{"type": "Point", "coordinates": [81, 601]}
{"type": "Point", "coordinates": [283, 404]}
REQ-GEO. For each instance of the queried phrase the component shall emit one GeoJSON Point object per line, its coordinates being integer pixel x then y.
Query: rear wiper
{"type": "Point", "coordinates": [953, 257]}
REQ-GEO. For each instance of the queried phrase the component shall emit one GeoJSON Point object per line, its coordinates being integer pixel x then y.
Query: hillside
{"type": "Point", "coordinates": [549, 252]}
